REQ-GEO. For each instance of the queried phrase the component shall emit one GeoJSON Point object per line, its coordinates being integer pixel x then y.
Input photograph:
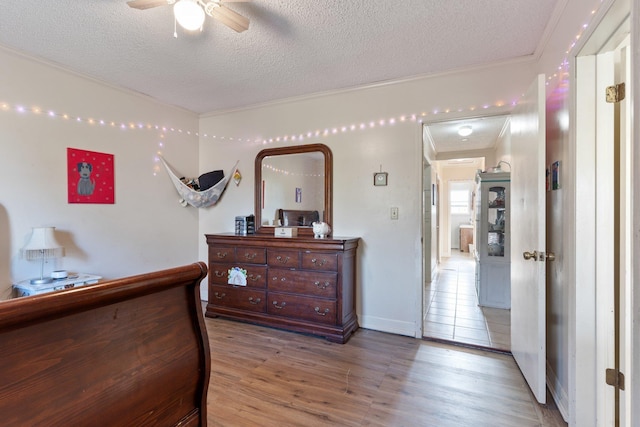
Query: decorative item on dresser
{"type": "Point", "coordinates": [300, 284]}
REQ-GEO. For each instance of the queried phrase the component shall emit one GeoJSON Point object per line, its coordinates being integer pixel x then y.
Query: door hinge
{"type": "Point", "coordinates": [615, 93]}
{"type": "Point", "coordinates": [614, 378]}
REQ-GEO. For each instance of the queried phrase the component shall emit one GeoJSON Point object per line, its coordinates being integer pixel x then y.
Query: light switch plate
{"type": "Point", "coordinates": [394, 213]}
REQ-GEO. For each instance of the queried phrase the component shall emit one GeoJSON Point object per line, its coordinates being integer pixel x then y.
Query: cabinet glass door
{"type": "Point", "coordinates": [496, 217]}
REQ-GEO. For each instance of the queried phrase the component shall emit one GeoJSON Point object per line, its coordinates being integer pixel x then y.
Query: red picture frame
{"type": "Point", "coordinates": [90, 177]}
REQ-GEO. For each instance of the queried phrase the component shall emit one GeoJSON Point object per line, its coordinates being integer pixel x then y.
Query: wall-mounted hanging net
{"type": "Point", "coordinates": [203, 197]}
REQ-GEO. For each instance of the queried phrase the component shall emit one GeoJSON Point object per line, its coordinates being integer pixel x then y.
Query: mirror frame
{"type": "Point", "coordinates": [328, 184]}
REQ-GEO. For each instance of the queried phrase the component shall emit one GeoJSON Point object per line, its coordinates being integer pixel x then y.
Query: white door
{"type": "Point", "coordinates": [528, 344]}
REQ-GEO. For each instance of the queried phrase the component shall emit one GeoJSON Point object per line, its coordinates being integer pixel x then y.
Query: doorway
{"type": "Point", "coordinates": [602, 64]}
{"type": "Point", "coordinates": [451, 312]}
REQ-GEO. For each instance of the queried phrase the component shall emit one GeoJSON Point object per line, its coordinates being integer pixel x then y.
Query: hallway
{"type": "Point", "coordinates": [452, 312]}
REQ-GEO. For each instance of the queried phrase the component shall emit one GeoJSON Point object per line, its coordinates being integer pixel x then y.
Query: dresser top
{"type": "Point", "coordinates": [330, 243]}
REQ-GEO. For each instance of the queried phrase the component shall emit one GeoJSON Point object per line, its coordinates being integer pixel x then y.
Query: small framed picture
{"type": "Point", "coordinates": [380, 178]}
{"type": "Point", "coordinates": [90, 177]}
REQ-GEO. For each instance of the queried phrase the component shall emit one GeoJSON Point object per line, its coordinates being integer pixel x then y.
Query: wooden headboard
{"type": "Point", "coordinates": [291, 217]}
{"type": "Point", "coordinates": [127, 352]}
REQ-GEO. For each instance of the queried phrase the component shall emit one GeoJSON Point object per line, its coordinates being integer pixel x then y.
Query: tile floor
{"type": "Point", "coordinates": [452, 312]}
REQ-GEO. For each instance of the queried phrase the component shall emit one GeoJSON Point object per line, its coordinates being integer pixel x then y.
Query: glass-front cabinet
{"type": "Point", "coordinates": [493, 263]}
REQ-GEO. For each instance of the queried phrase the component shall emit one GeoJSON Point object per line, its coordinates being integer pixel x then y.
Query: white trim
{"type": "Point", "coordinates": [634, 386]}
{"type": "Point", "coordinates": [605, 239]}
{"type": "Point", "coordinates": [558, 394]}
{"type": "Point", "coordinates": [581, 305]}
{"type": "Point", "coordinates": [388, 325]}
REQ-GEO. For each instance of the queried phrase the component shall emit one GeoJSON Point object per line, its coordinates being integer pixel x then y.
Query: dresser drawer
{"type": "Point", "coordinates": [256, 274]}
{"type": "Point", "coordinates": [222, 254]}
{"type": "Point", "coordinates": [313, 283]}
{"type": "Point", "coordinates": [320, 261]}
{"type": "Point", "coordinates": [237, 297]}
{"type": "Point", "coordinates": [312, 309]}
{"type": "Point", "coordinates": [218, 273]}
{"type": "Point", "coordinates": [283, 258]}
{"type": "Point", "coordinates": [251, 255]}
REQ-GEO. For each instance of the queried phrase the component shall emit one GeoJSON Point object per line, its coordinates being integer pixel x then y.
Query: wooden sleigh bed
{"type": "Point", "coordinates": [128, 352]}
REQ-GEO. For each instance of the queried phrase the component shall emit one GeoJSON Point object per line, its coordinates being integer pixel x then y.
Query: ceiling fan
{"type": "Point", "coordinates": [190, 14]}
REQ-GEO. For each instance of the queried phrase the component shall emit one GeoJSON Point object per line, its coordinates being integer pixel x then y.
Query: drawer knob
{"type": "Point", "coordinates": [249, 256]}
{"type": "Point", "coordinates": [220, 296]}
{"type": "Point", "coordinates": [318, 262]}
{"type": "Point", "coordinates": [221, 254]}
{"type": "Point", "coordinates": [254, 278]}
{"type": "Point", "coordinates": [282, 260]}
{"type": "Point", "coordinates": [324, 313]}
{"type": "Point", "coordinates": [279, 307]}
{"type": "Point", "coordinates": [254, 302]}
{"type": "Point", "coordinates": [324, 285]}
{"type": "Point", "coordinates": [284, 279]}
{"type": "Point", "coordinates": [220, 273]}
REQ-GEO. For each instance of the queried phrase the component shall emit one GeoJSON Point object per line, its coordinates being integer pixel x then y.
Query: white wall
{"type": "Point", "coordinates": [389, 255]}
{"type": "Point", "coordinates": [146, 229]}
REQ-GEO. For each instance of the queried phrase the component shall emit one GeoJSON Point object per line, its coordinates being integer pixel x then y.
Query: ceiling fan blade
{"type": "Point", "coordinates": [148, 4]}
{"type": "Point", "coordinates": [231, 19]}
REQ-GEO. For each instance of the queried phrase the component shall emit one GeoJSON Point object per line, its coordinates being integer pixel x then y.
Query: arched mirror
{"type": "Point", "coordinates": [293, 188]}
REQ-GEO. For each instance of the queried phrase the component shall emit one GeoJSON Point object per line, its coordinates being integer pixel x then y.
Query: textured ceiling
{"type": "Point", "coordinates": [292, 48]}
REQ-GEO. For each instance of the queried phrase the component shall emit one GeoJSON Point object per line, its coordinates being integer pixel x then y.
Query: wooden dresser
{"type": "Point", "coordinates": [300, 284]}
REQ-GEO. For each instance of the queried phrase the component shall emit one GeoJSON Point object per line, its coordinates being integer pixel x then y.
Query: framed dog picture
{"type": "Point", "coordinates": [90, 177]}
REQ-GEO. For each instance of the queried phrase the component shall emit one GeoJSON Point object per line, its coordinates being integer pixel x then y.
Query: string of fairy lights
{"type": "Point", "coordinates": [404, 118]}
{"type": "Point", "coordinates": [274, 169]}
{"type": "Point", "coordinates": [561, 73]}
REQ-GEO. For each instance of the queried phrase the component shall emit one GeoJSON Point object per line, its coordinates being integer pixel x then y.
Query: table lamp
{"type": "Point", "coordinates": [42, 246]}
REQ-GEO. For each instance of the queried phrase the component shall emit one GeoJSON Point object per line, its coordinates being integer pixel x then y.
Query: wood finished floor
{"type": "Point", "coordinates": [267, 377]}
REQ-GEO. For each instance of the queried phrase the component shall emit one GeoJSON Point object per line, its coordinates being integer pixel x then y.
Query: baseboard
{"type": "Point", "coordinates": [387, 325]}
{"type": "Point", "coordinates": [558, 393]}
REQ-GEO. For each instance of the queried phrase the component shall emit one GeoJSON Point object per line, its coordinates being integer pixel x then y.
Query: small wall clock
{"type": "Point", "coordinates": [380, 178]}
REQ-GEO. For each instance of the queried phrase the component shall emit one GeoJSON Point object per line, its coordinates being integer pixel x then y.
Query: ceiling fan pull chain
{"type": "Point", "coordinates": [175, 28]}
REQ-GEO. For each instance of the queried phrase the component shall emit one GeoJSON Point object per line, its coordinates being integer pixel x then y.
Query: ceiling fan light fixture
{"type": "Point", "coordinates": [189, 14]}
{"type": "Point", "coordinates": [465, 130]}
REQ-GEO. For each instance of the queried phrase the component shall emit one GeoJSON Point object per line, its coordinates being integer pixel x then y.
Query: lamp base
{"type": "Point", "coordinates": [41, 281]}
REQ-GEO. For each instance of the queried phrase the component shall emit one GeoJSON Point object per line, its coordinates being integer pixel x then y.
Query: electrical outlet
{"type": "Point", "coordinates": [394, 213]}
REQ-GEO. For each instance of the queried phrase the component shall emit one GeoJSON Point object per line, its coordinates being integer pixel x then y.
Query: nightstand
{"type": "Point", "coordinates": [25, 288]}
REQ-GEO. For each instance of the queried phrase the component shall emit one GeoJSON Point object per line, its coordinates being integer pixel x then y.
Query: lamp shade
{"type": "Point", "coordinates": [42, 244]}
{"type": "Point", "coordinates": [189, 14]}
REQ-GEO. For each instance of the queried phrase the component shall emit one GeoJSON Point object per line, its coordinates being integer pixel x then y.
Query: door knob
{"type": "Point", "coordinates": [549, 256]}
{"type": "Point", "coordinates": [539, 256]}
